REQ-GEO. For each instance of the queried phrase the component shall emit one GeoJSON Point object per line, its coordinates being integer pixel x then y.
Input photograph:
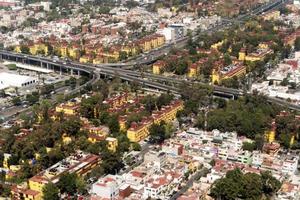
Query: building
{"type": "Point", "coordinates": [273, 15]}
{"type": "Point", "coordinates": [19, 193]}
{"type": "Point", "coordinates": [258, 55]}
{"type": "Point", "coordinates": [80, 163]}
{"type": "Point", "coordinates": [233, 70]}
{"type": "Point", "coordinates": [139, 131]}
{"type": "Point", "coordinates": [155, 158]}
{"type": "Point", "coordinates": [158, 67]}
{"type": "Point", "coordinates": [111, 187]}
{"type": "Point", "coordinates": [193, 70]}
{"type": "Point", "coordinates": [9, 3]}
{"type": "Point", "coordinates": [96, 134]}
{"type": "Point", "coordinates": [217, 45]}
{"type": "Point", "coordinates": [290, 165]}
{"type": "Point", "coordinates": [15, 80]}
{"type": "Point", "coordinates": [173, 149]}
{"type": "Point", "coordinates": [288, 191]}
{"type": "Point", "coordinates": [69, 108]}
{"type": "Point", "coordinates": [112, 144]}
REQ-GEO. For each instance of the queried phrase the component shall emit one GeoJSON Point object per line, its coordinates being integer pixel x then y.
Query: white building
{"type": "Point", "coordinates": [135, 179]}
{"type": "Point", "coordinates": [156, 159]}
{"type": "Point", "coordinates": [169, 34]}
{"type": "Point", "coordinates": [290, 165]}
{"type": "Point", "coordinates": [108, 187]}
{"type": "Point", "coordinates": [15, 80]}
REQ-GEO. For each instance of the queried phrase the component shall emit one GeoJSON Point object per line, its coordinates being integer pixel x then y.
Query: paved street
{"type": "Point", "coordinates": [189, 183]}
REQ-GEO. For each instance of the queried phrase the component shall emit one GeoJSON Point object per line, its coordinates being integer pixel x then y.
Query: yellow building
{"type": "Point", "coordinates": [18, 49]}
{"type": "Point", "coordinates": [69, 108]}
{"type": "Point", "coordinates": [5, 160]}
{"type": "Point", "coordinates": [122, 123]}
{"type": "Point", "coordinates": [112, 144]}
{"type": "Point", "coordinates": [37, 183]}
{"type": "Point", "coordinates": [193, 70]}
{"type": "Point", "coordinates": [98, 60]}
{"type": "Point", "coordinates": [270, 136]}
{"type": "Point", "coordinates": [242, 54]}
{"type": "Point", "coordinates": [158, 67]}
{"type": "Point", "coordinates": [33, 49]}
{"type": "Point", "coordinates": [145, 45]}
{"type": "Point", "coordinates": [129, 49]}
{"type": "Point", "coordinates": [66, 139]}
{"type": "Point", "coordinates": [215, 78]}
{"type": "Point", "coordinates": [236, 70]}
{"type": "Point", "coordinates": [79, 163]}
{"type": "Point", "coordinates": [264, 45]}
{"type": "Point", "coordinates": [25, 194]}
{"type": "Point", "coordinates": [41, 47]}
{"type": "Point", "coordinates": [48, 149]}
{"type": "Point", "coordinates": [139, 131]}
{"type": "Point", "coordinates": [258, 55]}
{"type": "Point", "coordinates": [217, 45]}
{"type": "Point", "coordinates": [64, 50]}
{"type": "Point", "coordinates": [13, 168]}
{"type": "Point", "coordinates": [74, 53]}
{"type": "Point", "coordinates": [273, 15]}
{"type": "Point", "coordinates": [292, 141]}
{"type": "Point", "coordinates": [38, 48]}
{"type": "Point", "coordinates": [96, 134]}
{"type": "Point", "coordinates": [85, 59]}
{"type": "Point", "coordinates": [154, 42]}
{"type": "Point", "coordinates": [161, 40]}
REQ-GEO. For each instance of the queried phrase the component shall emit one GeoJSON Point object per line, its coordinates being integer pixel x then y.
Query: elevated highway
{"type": "Point", "coordinates": [146, 79]}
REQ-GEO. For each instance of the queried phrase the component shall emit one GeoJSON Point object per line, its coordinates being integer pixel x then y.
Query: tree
{"type": "Point", "coordinates": [24, 49]}
{"type": "Point", "coordinates": [136, 146]}
{"type": "Point", "coordinates": [32, 98]}
{"type": "Point", "coordinates": [111, 163]}
{"type": "Point", "coordinates": [12, 67]}
{"type": "Point", "coordinates": [236, 185]}
{"type": "Point", "coordinates": [47, 89]}
{"type": "Point", "coordinates": [123, 55]}
{"type": "Point", "coordinates": [157, 133]}
{"type": "Point", "coordinates": [50, 192]}
{"type": "Point", "coordinates": [67, 183]}
{"type": "Point", "coordinates": [16, 101]}
{"type": "Point", "coordinates": [249, 146]}
{"type": "Point", "coordinates": [227, 59]}
{"type": "Point", "coordinates": [71, 126]}
{"type": "Point", "coordinates": [297, 44]}
{"type": "Point", "coordinates": [113, 124]}
{"type": "Point", "coordinates": [270, 183]}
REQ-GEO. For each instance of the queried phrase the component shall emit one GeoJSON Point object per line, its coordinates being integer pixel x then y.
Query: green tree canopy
{"type": "Point", "coordinates": [50, 192]}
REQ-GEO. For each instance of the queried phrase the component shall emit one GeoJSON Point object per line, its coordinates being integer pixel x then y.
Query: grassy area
{"type": "Point", "coordinates": [11, 66]}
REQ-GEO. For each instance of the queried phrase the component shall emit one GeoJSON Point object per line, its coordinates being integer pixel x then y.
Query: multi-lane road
{"type": "Point", "coordinates": [146, 79]}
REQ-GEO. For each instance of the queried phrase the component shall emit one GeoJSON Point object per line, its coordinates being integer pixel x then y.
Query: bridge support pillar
{"type": "Point", "coordinates": [60, 70]}
{"type": "Point", "coordinates": [47, 65]}
{"type": "Point", "coordinates": [78, 73]}
{"type": "Point", "coordinates": [41, 64]}
{"type": "Point", "coordinates": [71, 72]}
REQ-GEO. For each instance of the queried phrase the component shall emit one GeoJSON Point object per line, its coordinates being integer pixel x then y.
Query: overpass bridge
{"type": "Point", "coordinates": [152, 81]}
